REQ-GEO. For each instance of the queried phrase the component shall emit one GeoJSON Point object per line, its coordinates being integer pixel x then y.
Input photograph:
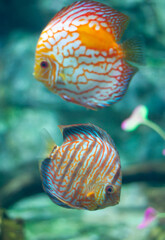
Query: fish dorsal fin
{"type": "Point", "coordinates": [118, 22]}
{"type": "Point", "coordinates": [71, 132]}
{"type": "Point", "coordinates": [76, 131]}
{"type": "Point", "coordinates": [115, 20]}
{"type": "Point", "coordinates": [84, 131]}
{"type": "Point", "coordinates": [49, 142]}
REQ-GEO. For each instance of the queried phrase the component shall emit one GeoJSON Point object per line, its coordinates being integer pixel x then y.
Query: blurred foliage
{"type": "Point", "coordinates": [10, 229]}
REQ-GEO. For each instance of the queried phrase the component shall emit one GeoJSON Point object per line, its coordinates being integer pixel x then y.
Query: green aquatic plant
{"type": "Point", "coordinates": [140, 116]}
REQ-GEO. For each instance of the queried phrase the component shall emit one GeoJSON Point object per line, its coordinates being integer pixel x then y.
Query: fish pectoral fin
{"type": "Point", "coordinates": [91, 195]}
{"type": "Point", "coordinates": [63, 76]}
{"type": "Point", "coordinates": [90, 202]}
{"type": "Point", "coordinates": [49, 142]}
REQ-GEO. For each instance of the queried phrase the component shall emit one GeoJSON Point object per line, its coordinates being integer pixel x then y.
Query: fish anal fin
{"type": "Point", "coordinates": [126, 76]}
{"type": "Point", "coordinates": [73, 100]}
{"type": "Point", "coordinates": [61, 202]}
{"type": "Point", "coordinates": [46, 170]}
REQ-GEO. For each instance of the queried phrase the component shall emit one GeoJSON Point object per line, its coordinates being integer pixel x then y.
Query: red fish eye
{"type": "Point", "coordinates": [44, 64]}
{"type": "Point", "coordinates": [109, 189]}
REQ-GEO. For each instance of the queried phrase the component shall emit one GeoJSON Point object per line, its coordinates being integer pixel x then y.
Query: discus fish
{"type": "Point", "coordinates": [84, 172]}
{"type": "Point", "coordinates": [79, 58]}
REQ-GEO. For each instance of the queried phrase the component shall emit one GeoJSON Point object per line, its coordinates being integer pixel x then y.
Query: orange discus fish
{"type": "Point", "coordinates": [84, 172]}
{"type": "Point", "coordinates": [79, 58]}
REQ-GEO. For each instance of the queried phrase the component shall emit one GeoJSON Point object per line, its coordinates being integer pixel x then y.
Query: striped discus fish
{"type": "Point", "coordinates": [79, 58]}
{"type": "Point", "coordinates": [84, 172]}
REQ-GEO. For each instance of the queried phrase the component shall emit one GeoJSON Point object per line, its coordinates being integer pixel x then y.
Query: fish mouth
{"type": "Point", "coordinates": [35, 72]}
{"type": "Point", "coordinates": [35, 76]}
{"type": "Point", "coordinates": [38, 78]}
{"type": "Point", "coordinates": [115, 203]}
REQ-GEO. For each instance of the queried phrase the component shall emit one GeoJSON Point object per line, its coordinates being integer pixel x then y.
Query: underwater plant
{"type": "Point", "coordinates": [150, 215]}
{"type": "Point", "coordinates": [140, 116]}
{"type": "Point", "coordinates": [163, 152]}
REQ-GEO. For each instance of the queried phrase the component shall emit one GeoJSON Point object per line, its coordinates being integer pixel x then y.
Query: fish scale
{"type": "Point", "coordinates": [90, 64]}
{"type": "Point", "coordinates": [87, 160]}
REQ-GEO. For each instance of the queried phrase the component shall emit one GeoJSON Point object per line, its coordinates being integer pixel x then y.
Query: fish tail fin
{"type": "Point", "coordinates": [134, 50]}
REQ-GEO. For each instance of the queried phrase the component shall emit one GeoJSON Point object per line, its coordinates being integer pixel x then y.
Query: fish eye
{"type": "Point", "coordinates": [109, 189]}
{"type": "Point", "coordinates": [44, 64]}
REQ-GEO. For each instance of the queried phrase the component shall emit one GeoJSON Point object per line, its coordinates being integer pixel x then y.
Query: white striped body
{"type": "Point", "coordinates": [86, 65]}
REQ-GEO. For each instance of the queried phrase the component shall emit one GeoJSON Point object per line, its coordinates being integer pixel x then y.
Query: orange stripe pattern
{"type": "Point", "coordinates": [76, 174]}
